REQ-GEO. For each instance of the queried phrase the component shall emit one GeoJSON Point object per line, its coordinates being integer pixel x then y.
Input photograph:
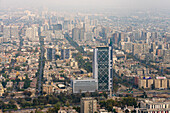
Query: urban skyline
{"type": "Point", "coordinates": [90, 56]}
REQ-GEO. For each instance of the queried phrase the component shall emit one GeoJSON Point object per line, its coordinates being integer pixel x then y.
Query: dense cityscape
{"type": "Point", "coordinates": [81, 62]}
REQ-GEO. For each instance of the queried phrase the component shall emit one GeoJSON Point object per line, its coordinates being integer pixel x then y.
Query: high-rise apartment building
{"type": "Point", "coordinates": [102, 67]}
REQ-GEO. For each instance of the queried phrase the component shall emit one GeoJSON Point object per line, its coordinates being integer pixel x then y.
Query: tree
{"type": "Point", "coordinates": [144, 95]}
{"type": "Point", "coordinates": [17, 68]}
{"type": "Point", "coordinates": [77, 108]}
{"type": "Point", "coordinates": [55, 109]}
{"type": "Point", "coordinates": [4, 83]}
{"type": "Point", "coordinates": [36, 50]}
{"type": "Point", "coordinates": [27, 82]}
{"type": "Point", "coordinates": [27, 93]}
{"type": "Point", "coordinates": [152, 86]}
{"type": "Point", "coordinates": [50, 67]}
{"type": "Point", "coordinates": [5, 94]}
{"type": "Point", "coordinates": [126, 111]}
{"type": "Point", "coordinates": [12, 102]}
{"type": "Point", "coordinates": [67, 103]}
{"type": "Point", "coordinates": [12, 95]}
{"type": "Point", "coordinates": [35, 102]}
{"type": "Point", "coordinates": [44, 93]}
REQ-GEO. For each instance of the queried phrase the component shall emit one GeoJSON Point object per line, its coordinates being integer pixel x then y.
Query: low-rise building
{"type": "Point", "coordinates": [82, 86]}
{"type": "Point", "coordinates": [9, 84]}
{"type": "Point", "coordinates": [152, 106]}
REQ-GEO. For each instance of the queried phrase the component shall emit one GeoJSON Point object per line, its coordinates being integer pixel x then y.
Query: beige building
{"type": "Point", "coordinates": [168, 83]}
{"type": "Point", "coordinates": [157, 83]}
{"type": "Point", "coordinates": [145, 83]}
{"type": "Point", "coordinates": [1, 89]}
{"type": "Point", "coordinates": [160, 83]}
{"type": "Point", "coordinates": [88, 105]}
{"type": "Point", "coordinates": [48, 89]}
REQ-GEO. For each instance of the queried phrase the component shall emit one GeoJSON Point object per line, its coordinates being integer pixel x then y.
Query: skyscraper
{"type": "Point", "coordinates": [137, 49]}
{"type": "Point", "coordinates": [1, 27]}
{"type": "Point", "coordinates": [65, 54]}
{"type": "Point", "coordinates": [14, 32]}
{"type": "Point", "coordinates": [32, 33]}
{"type": "Point", "coordinates": [50, 53]}
{"type": "Point", "coordinates": [66, 24]}
{"type": "Point", "coordinates": [57, 27]}
{"type": "Point", "coordinates": [114, 39]}
{"type": "Point", "coordinates": [102, 67]}
{"type": "Point", "coordinates": [81, 35]}
{"type": "Point", "coordinates": [6, 33]}
{"type": "Point", "coordinates": [75, 34]}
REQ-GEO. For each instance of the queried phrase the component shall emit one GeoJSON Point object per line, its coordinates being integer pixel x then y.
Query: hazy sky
{"type": "Point", "coordinates": [89, 4]}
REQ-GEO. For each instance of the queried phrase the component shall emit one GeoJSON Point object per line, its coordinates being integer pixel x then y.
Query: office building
{"type": "Point", "coordinates": [121, 37]}
{"type": "Point", "coordinates": [81, 35]}
{"type": "Point", "coordinates": [58, 35]}
{"type": "Point", "coordinates": [114, 39]}
{"type": "Point", "coordinates": [6, 33]}
{"type": "Point", "coordinates": [153, 47]}
{"type": "Point", "coordinates": [85, 85]}
{"type": "Point", "coordinates": [137, 49]}
{"type": "Point", "coordinates": [50, 53]}
{"type": "Point", "coordinates": [14, 32]}
{"type": "Point", "coordinates": [66, 25]}
{"type": "Point", "coordinates": [57, 27]}
{"type": "Point", "coordinates": [1, 26]}
{"type": "Point", "coordinates": [89, 36]}
{"type": "Point", "coordinates": [102, 67]}
{"type": "Point", "coordinates": [88, 105]}
{"type": "Point", "coordinates": [154, 35]}
{"type": "Point", "coordinates": [145, 49]}
{"type": "Point", "coordinates": [32, 33]}
{"type": "Point", "coordinates": [65, 54]}
{"type": "Point", "coordinates": [75, 34]}
{"type": "Point", "coordinates": [128, 46]}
